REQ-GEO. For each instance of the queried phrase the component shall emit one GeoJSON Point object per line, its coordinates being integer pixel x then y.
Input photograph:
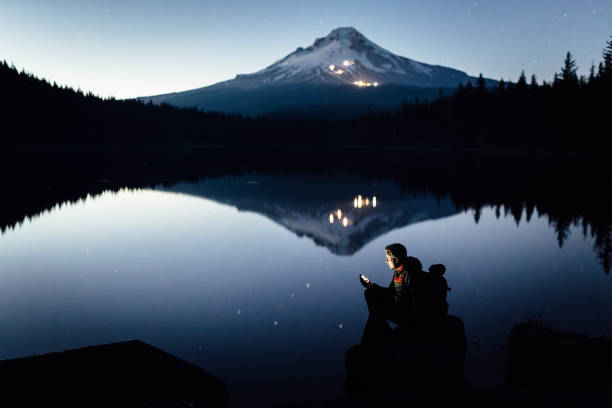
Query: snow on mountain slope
{"type": "Point", "coordinates": [345, 56]}
{"type": "Point", "coordinates": [342, 48]}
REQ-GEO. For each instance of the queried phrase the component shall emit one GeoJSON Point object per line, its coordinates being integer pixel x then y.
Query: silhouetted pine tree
{"type": "Point", "coordinates": [568, 71]}
{"type": "Point", "coordinates": [481, 84]}
{"type": "Point", "coordinates": [592, 73]}
{"type": "Point", "coordinates": [521, 84]}
{"type": "Point", "coordinates": [607, 59]}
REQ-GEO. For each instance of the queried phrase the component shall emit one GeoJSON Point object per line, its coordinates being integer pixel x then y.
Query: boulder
{"type": "Point", "coordinates": [127, 374]}
{"type": "Point", "coordinates": [539, 355]}
{"type": "Point", "coordinates": [410, 361]}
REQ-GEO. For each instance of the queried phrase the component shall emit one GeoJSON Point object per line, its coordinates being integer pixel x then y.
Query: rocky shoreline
{"type": "Point", "coordinates": [546, 368]}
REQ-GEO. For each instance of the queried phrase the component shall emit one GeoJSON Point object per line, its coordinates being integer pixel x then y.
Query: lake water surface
{"type": "Point", "coordinates": [249, 278]}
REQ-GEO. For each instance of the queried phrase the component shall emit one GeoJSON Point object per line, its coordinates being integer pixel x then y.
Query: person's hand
{"type": "Point", "coordinates": [365, 281]}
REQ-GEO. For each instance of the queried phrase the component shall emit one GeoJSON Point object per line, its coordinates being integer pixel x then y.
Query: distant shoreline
{"type": "Point", "coordinates": [186, 148]}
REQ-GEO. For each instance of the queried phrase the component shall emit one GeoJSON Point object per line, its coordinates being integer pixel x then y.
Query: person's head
{"type": "Point", "coordinates": [395, 255]}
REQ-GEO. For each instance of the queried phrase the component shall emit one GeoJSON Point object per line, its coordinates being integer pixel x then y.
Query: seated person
{"type": "Point", "coordinates": [402, 302]}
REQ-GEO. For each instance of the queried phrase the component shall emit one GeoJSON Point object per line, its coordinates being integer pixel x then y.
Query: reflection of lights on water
{"type": "Point", "coordinates": [358, 202]}
{"type": "Point", "coordinates": [339, 71]}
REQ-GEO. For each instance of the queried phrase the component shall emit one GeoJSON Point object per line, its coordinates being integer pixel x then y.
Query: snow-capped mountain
{"type": "Point", "coordinates": [347, 57]}
{"type": "Point", "coordinates": [342, 70]}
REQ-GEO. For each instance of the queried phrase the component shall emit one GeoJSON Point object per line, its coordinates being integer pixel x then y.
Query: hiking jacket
{"type": "Point", "coordinates": [409, 290]}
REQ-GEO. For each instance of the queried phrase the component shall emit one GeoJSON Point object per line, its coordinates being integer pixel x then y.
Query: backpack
{"type": "Point", "coordinates": [437, 288]}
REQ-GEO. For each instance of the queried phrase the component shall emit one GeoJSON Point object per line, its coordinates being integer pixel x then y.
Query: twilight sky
{"type": "Point", "coordinates": [129, 48]}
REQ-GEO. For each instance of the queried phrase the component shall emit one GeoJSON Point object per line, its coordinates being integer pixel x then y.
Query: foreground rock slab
{"type": "Point", "coordinates": [126, 374]}
{"type": "Point", "coordinates": [540, 356]}
{"type": "Point", "coordinates": [409, 362]}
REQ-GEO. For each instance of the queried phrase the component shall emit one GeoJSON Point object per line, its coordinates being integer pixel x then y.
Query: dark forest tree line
{"type": "Point", "coordinates": [567, 114]}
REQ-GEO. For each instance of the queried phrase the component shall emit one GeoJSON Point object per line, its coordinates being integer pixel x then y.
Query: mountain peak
{"type": "Point", "coordinates": [345, 36]}
{"type": "Point", "coordinates": [344, 32]}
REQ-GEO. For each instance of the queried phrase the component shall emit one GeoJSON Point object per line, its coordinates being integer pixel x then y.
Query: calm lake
{"type": "Point", "coordinates": [255, 277]}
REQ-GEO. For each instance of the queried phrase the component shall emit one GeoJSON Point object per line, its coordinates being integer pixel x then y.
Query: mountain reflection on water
{"type": "Point", "coordinates": [304, 204]}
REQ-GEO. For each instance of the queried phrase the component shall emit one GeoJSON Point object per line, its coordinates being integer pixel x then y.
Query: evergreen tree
{"type": "Point", "coordinates": [481, 84]}
{"type": "Point", "coordinates": [534, 82]}
{"type": "Point", "coordinates": [607, 58]}
{"type": "Point", "coordinates": [592, 73]}
{"type": "Point", "coordinates": [522, 81]}
{"type": "Point", "coordinates": [569, 69]}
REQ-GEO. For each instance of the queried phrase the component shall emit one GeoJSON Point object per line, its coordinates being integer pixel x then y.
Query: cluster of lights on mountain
{"type": "Point", "coordinates": [358, 202]}
{"type": "Point", "coordinates": [339, 71]}
{"type": "Point", "coordinates": [362, 83]}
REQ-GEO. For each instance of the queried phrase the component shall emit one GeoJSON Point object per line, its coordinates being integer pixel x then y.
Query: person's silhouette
{"type": "Point", "coordinates": [402, 302]}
